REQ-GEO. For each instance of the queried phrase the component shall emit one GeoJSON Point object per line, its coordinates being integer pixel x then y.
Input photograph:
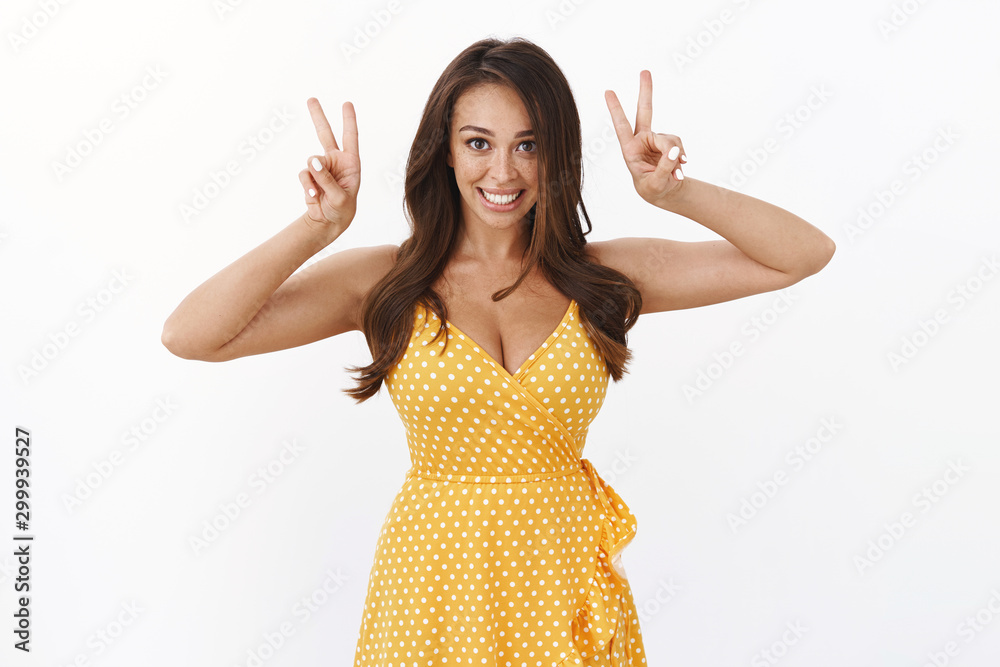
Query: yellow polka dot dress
{"type": "Point", "coordinates": [502, 547]}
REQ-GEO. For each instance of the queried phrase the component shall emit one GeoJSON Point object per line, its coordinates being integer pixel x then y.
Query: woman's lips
{"type": "Point", "coordinates": [501, 208]}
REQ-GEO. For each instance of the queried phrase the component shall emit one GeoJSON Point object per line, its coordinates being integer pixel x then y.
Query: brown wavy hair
{"type": "Point", "coordinates": [608, 300]}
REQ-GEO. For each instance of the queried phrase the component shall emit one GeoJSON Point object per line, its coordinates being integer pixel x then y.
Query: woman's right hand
{"type": "Point", "coordinates": [332, 190]}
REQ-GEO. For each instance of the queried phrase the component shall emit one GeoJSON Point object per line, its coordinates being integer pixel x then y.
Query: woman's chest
{"type": "Point", "coordinates": [508, 330]}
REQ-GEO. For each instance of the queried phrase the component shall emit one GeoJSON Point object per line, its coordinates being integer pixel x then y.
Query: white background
{"type": "Point", "coordinates": [835, 100]}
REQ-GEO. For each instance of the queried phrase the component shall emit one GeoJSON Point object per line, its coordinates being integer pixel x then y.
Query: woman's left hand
{"type": "Point", "coordinates": [653, 158]}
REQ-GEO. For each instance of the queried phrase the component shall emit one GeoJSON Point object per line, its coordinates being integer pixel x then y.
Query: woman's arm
{"type": "Point", "coordinates": [220, 308]}
{"type": "Point", "coordinates": [765, 248]}
{"type": "Point", "coordinates": [767, 234]}
{"type": "Point", "coordinates": [252, 306]}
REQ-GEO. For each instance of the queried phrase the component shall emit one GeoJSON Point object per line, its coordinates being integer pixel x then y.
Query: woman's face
{"type": "Point", "coordinates": [493, 153]}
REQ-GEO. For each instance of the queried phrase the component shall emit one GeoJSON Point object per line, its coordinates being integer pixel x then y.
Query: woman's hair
{"type": "Point", "coordinates": [608, 300]}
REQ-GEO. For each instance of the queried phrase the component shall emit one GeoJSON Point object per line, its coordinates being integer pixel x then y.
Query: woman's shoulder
{"type": "Point", "coordinates": [378, 261]}
{"type": "Point", "coordinates": [597, 251]}
{"type": "Point", "coordinates": [386, 254]}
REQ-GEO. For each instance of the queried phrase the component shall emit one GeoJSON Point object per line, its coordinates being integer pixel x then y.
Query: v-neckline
{"type": "Point", "coordinates": [531, 357]}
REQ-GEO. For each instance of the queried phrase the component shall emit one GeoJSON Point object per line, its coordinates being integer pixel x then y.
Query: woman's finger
{"type": "Point", "coordinates": [622, 127]}
{"type": "Point", "coordinates": [327, 183]}
{"type": "Point", "coordinates": [309, 185]}
{"type": "Point", "coordinates": [668, 154]}
{"type": "Point", "coordinates": [644, 108]}
{"type": "Point", "coordinates": [323, 129]}
{"type": "Point", "coordinates": [351, 130]}
{"type": "Point", "coordinates": [670, 145]}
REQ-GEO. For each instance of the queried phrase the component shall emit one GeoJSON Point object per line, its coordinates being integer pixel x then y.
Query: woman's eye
{"type": "Point", "coordinates": [479, 144]}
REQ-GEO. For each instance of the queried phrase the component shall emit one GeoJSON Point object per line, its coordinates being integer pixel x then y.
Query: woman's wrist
{"type": "Point", "coordinates": [319, 234]}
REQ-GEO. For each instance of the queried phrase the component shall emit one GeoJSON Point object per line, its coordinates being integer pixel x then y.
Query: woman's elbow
{"type": "Point", "coordinates": [824, 253]}
{"type": "Point", "coordinates": [175, 345]}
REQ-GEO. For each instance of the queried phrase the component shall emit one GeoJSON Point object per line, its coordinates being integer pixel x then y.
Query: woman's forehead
{"type": "Point", "coordinates": [491, 106]}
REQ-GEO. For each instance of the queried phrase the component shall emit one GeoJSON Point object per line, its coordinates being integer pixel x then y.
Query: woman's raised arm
{"type": "Point", "coordinates": [252, 306]}
{"type": "Point", "coordinates": [765, 248]}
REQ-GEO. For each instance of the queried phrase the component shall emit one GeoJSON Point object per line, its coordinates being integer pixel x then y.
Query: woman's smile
{"type": "Point", "coordinates": [500, 201]}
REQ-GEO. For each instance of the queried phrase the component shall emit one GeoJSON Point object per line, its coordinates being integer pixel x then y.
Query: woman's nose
{"type": "Point", "coordinates": [503, 167]}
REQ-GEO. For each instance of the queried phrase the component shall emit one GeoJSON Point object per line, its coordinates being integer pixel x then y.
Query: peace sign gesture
{"type": "Point", "coordinates": [332, 181]}
{"type": "Point", "coordinates": [651, 157]}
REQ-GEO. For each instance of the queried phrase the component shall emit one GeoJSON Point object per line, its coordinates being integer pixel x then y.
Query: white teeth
{"type": "Point", "coordinates": [499, 199]}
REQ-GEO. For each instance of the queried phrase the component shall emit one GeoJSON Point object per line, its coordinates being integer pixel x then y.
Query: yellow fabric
{"type": "Point", "coordinates": [502, 546]}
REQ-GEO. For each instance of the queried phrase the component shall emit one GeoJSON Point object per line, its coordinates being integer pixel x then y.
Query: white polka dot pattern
{"type": "Point", "coordinates": [502, 547]}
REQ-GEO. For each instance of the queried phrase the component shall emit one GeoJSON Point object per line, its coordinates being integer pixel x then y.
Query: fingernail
{"type": "Point", "coordinates": [312, 193]}
{"type": "Point", "coordinates": [316, 164]}
{"type": "Point", "coordinates": [684, 158]}
{"type": "Point", "coordinates": [672, 154]}
{"type": "Point", "coordinates": [679, 174]}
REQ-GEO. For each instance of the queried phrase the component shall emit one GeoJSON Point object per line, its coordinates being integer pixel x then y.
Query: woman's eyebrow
{"type": "Point", "coordinates": [483, 130]}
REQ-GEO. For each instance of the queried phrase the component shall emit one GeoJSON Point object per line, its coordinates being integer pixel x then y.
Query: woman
{"type": "Point", "coordinates": [502, 547]}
